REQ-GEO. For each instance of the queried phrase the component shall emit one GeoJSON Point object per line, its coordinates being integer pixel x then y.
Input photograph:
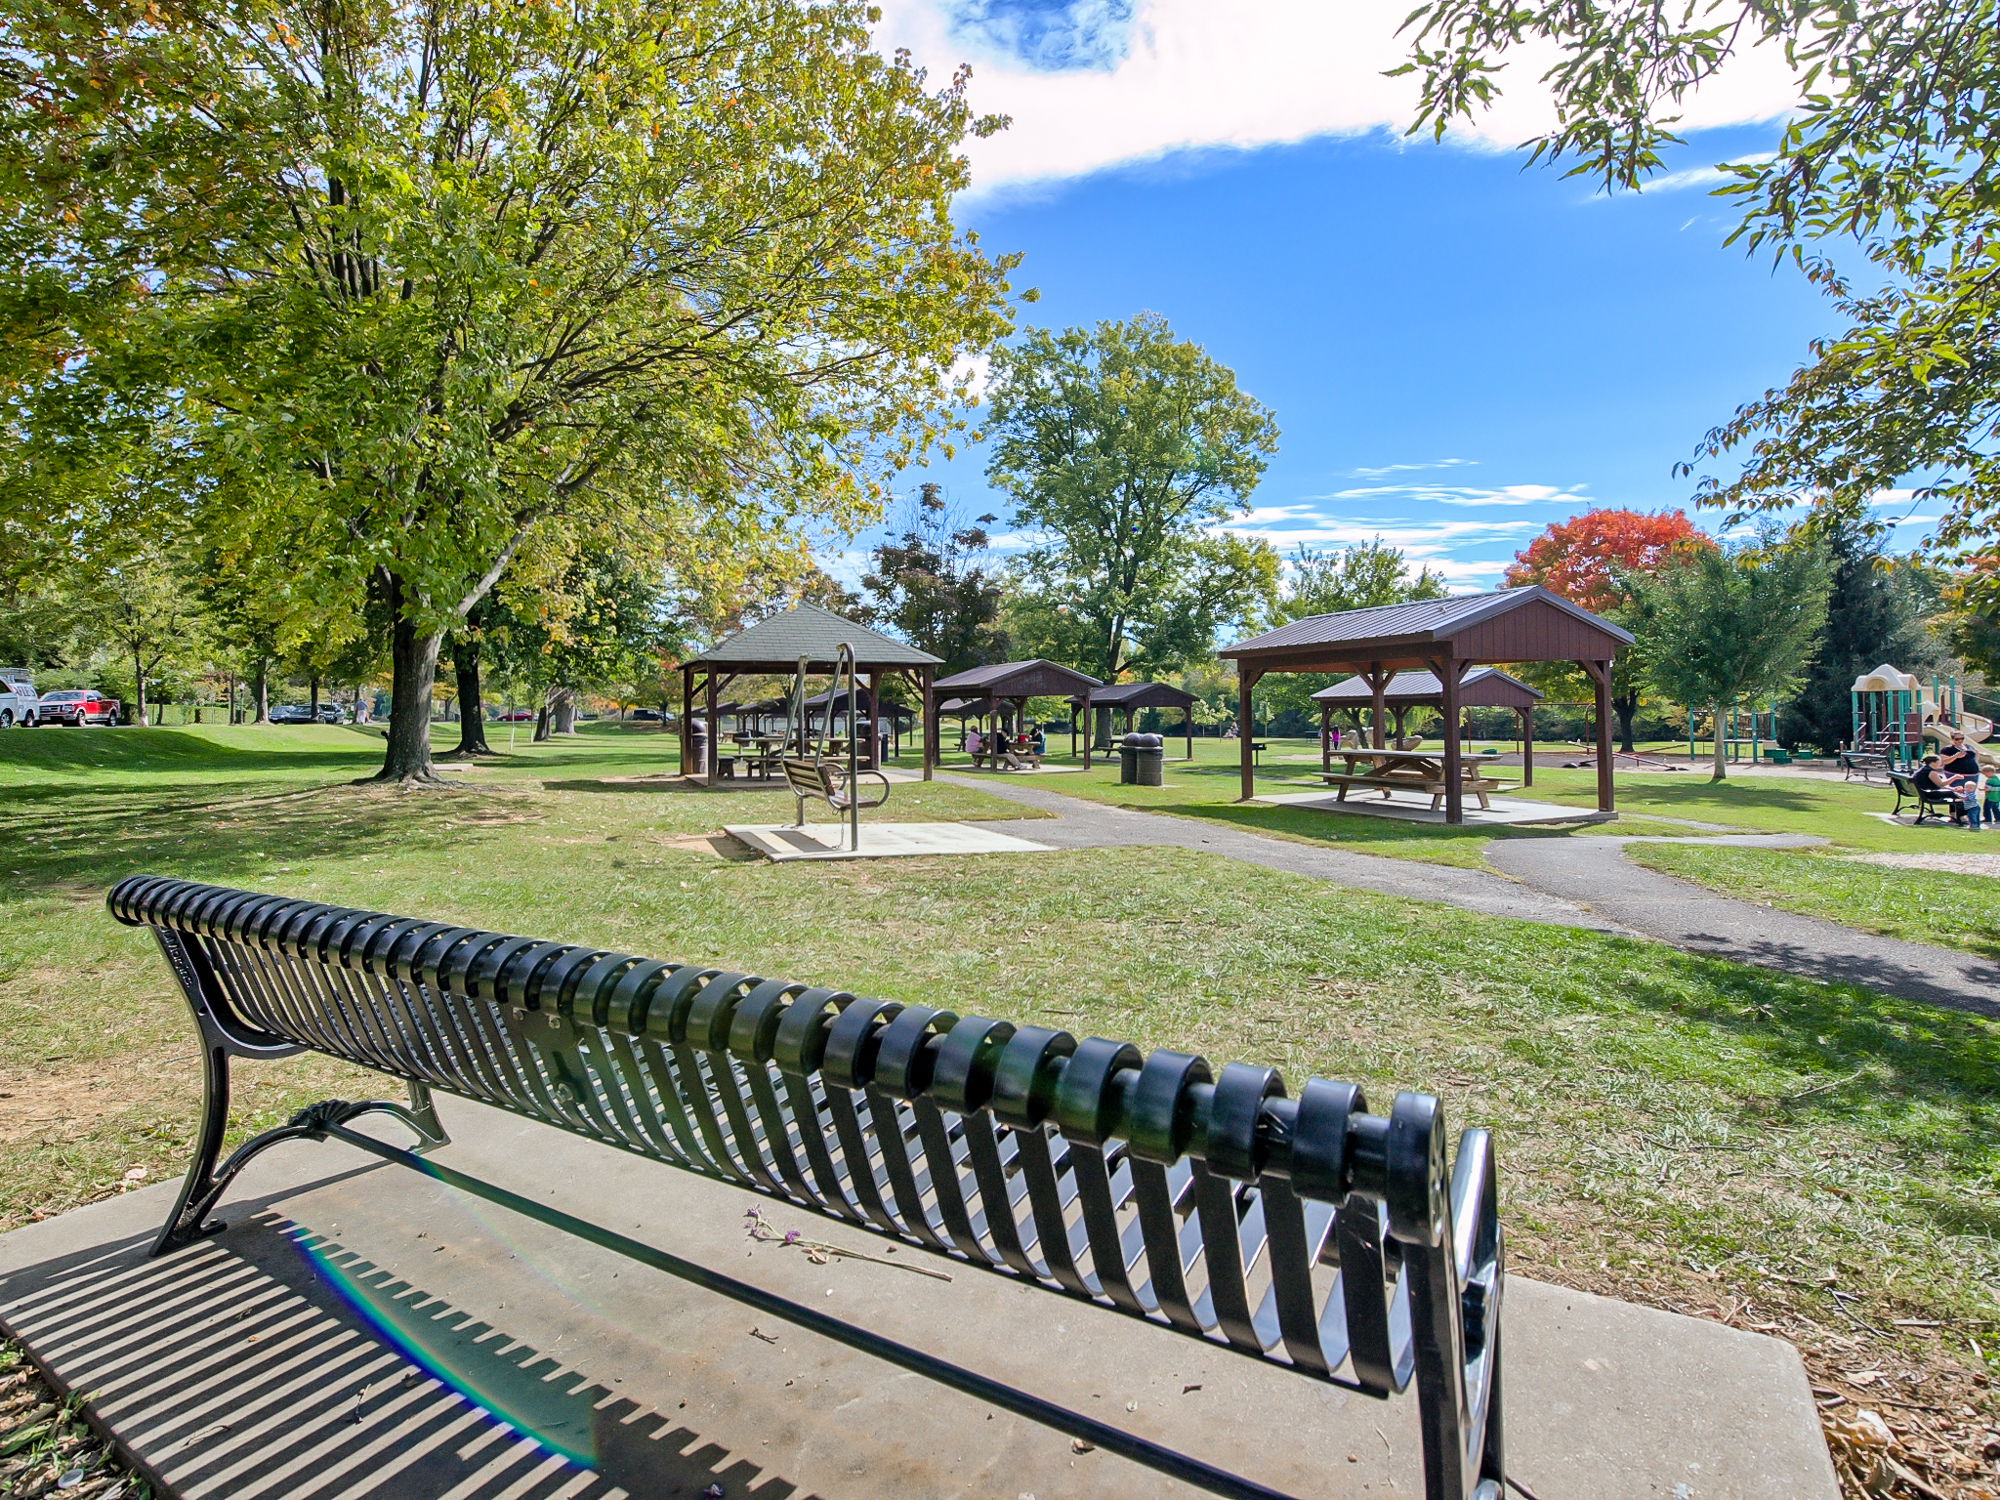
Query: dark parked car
{"type": "Point", "coordinates": [332, 713]}
{"type": "Point", "coordinates": [291, 713]}
{"type": "Point", "coordinates": [646, 713]}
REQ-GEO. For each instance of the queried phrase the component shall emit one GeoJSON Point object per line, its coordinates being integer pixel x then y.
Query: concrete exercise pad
{"type": "Point", "coordinates": [1415, 807]}
{"type": "Point", "coordinates": [363, 1333]}
{"type": "Point", "coordinates": [780, 842]}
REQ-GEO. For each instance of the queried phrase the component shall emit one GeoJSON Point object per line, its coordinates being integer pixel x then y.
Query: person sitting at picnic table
{"type": "Point", "coordinates": [975, 746]}
{"type": "Point", "coordinates": [1038, 744]}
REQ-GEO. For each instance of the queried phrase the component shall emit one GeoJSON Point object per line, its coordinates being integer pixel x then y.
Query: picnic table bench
{"type": "Point", "coordinates": [1390, 769]}
{"type": "Point", "coordinates": [1306, 1231]}
{"type": "Point", "coordinates": [1865, 762]}
{"type": "Point", "coordinates": [1925, 798]}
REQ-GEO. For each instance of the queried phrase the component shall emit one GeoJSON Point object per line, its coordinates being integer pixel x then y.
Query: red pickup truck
{"type": "Point", "coordinates": [77, 706]}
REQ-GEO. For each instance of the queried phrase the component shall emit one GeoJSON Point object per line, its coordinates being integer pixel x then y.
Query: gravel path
{"type": "Point", "coordinates": [1569, 882]}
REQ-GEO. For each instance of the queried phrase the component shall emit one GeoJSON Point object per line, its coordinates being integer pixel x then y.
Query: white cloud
{"type": "Point", "coordinates": [1386, 469]}
{"type": "Point", "coordinates": [1196, 75]}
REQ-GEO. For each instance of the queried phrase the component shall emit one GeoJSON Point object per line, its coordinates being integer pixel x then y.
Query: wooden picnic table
{"type": "Point", "coordinates": [1413, 770]}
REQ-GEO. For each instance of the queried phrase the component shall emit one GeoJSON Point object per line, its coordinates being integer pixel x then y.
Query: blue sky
{"type": "Point", "coordinates": [1458, 351]}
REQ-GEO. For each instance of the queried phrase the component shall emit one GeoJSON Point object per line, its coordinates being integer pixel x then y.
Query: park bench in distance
{"type": "Point", "coordinates": [1307, 1232]}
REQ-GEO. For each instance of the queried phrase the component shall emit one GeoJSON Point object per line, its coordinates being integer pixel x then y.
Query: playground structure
{"type": "Point", "coordinates": [1895, 713]}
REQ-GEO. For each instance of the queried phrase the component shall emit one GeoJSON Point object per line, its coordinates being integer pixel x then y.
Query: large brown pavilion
{"type": "Point", "coordinates": [1445, 637]}
{"type": "Point", "coordinates": [773, 647]}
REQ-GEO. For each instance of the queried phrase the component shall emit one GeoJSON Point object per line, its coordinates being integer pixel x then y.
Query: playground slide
{"type": "Point", "coordinates": [1977, 728]}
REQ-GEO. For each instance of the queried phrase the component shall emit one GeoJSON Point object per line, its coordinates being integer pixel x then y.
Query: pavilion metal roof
{"type": "Point", "coordinates": [809, 631]}
{"type": "Point", "coordinates": [1423, 619]}
{"type": "Point", "coordinates": [1423, 687]}
{"type": "Point", "coordinates": [1139, 695]}
{"type": "Point", "coordinates": [1014, 679]}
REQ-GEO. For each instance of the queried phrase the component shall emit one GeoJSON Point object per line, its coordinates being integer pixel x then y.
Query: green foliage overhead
{"type": "Point", "coordinates": [391, 295]}
{"type": "Point", "coordinates": [1362, 576]}
{"type": "Point", "coordinates": [931, 585]}
{"type": "Point", "coordinates": [1724, 626]}
{"type": "Point", "coordinates": [1125, 447]}
{"type": "Point", "coordinates": [1890, 148]}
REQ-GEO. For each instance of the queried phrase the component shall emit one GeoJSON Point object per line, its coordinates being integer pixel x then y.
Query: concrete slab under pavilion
{"type": "Point", "coordinates": [360, 1332]}
{"type": "Point", "coordinates": [782, 843]}
{"type": "Point", "coordinates": [1414, 807]}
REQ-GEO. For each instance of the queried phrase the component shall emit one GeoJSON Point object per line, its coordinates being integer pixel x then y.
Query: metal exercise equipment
{"type": "Point", "coordinates": [816, 774]}
{"type": "Point", "coordinates": [1305, 1231]}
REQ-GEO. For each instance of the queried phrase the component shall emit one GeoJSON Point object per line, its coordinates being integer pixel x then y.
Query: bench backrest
{"type": "Point", "coordinates": [809, 778]}
{"type": "Point", "coordinates": [1305, 1230]}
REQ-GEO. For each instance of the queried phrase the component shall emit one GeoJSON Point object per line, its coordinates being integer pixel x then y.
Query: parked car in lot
{"type": "Point", "coordinates": [291, 713]}
{"type": "Point", "coordinates": [650, 714]}
{"type": "Point", "coordinates": [518, 716]}
{"type": "Point", "coordinates": [74, 706]}
{"type": "Point", "coordinates": [19, 703]}
{"type": "Point", "coordinates": [332, 713]}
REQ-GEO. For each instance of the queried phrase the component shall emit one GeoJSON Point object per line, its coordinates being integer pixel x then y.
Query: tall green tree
{"type": "Point", "coordinates": [1878, 610]}
{"type": "Point", "coordinates": [931, 582]}
{"type": "Point", "coordinates": [1725, 626]}
{"type": "Point", "coordinates": [1889, 150]}
{"type": "Point", "coordinates": [413, 286]}
{"type": "Point", "coordinates": [1126, 447]}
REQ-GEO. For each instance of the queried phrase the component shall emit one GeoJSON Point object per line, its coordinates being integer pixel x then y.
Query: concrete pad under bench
{"type": "Point", "coordinates": [780, 842]}
{"type": "Point", "coordinates": [1415, 807]}
{"type": "Point", "coordinates": [361, 1331]}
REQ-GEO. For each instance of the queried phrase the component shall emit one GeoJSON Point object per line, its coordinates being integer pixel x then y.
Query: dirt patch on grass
{"type": "Point", "coordinates": [1954, 864]}
{"type": "Point", "coordinates": [73, 1099]}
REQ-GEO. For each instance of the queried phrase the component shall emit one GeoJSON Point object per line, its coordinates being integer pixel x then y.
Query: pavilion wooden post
{"type": "Point", "coordinates": [714, 767]}
{"type": "Point", "coordinates": [1377, 681]}
{"type": "Point", "coordinates": [1454, 789]}
{"type": "Point", "coordinates": [1087, 733]}
{"type": "Point", "coordinates": [1246, 681]}
{"type": "Point", "coordinates": [929, 752]}
{"type": "Point", "coordinates": [1325, 736]}
{"type": "Point", "coordinates": [1600, 679]}
{"type": "Point", "coordinates": [687, 720]}
{"type": "Point", "coordinates": [1527, 746]}
{"type": "Point", "coordinates": [874, 721]}
{"type": "Point", "coordinates": [1187, 716]}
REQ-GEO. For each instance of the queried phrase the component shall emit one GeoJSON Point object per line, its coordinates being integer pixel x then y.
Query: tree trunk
{"type": "Point", "coordinates": [562, 703]}
{"type": "Point", "coordinates": [413, 667]}
{"type": "Point", "coordinates": [1626, 706]}
{"type": "Point", "coordinates": [1721, 749]}
{"type": "Point", "coordinates": [471, 709]}
{"type": "Point", "coordinates": [315, 700]}
{"type": "Point", "coordinates": [139, 686]}
{"type": "Point", "coordinates": [542, 722]}
{"type": "Point", "coordinates": [263, 691]}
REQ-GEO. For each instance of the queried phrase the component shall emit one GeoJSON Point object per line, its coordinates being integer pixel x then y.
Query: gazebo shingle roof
{"type": "Point", "coordinates": [809, 631]}
{"type": "Point", "coordinates": [1482, 687]}
{"type": "Point", "coordinates": [1425, 619]}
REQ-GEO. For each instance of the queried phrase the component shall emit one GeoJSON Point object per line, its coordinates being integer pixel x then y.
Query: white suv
{"type": "Point", "coordinates": [18, 699]}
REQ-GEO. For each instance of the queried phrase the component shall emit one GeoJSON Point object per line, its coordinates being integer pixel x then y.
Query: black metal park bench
{"type": "Point", "coordinates": [1308, 1232]}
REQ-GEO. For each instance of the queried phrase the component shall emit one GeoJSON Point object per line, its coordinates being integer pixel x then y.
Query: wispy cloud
{"type": "Point", "coordinates": [1437, 463]}
{"type": "Point", "coordinates": [1095, 83]}
{"type": "Point", "coordinates": [1438, 494]}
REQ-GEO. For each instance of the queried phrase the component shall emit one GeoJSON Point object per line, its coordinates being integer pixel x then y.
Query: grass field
{"type": "Point", "coordinates": [1815, 1160]}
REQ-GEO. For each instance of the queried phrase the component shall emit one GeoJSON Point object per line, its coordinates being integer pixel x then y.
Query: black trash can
{"type": "Point", "coordinates": [1142, 760]}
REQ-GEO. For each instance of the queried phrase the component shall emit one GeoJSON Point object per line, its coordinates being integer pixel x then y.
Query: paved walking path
{"type": "Point", "coordinates": [1569, 882]}
{"type": "Point", "coordinates": [1080, 824]}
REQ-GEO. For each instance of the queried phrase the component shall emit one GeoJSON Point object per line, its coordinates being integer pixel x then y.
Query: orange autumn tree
{"type": "Point", "coordinates": [1587, 559]}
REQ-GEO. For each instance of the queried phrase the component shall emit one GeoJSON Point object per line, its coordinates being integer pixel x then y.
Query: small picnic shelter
{"type": "Point", "coordinates": [1446, 637]}
{"type": "Point", "coordinates": [1134, 696]}
{"type": "Point", "coordinates": [774, 647]}
{"type": "Point", "coordinates": [1481, 687]}
{"type": "Point", "coordinates": [984, 689]}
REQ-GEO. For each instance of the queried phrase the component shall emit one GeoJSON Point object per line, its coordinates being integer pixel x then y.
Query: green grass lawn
{"type": "Point", "coordinates": [1924, 906]}
{"type": "Point", "coordinates": [1685, 1131]}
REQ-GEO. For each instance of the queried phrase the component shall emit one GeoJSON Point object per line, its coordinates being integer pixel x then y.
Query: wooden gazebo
{"type": "Point", "coordinates": [1482, 687]}
{"type": "Point", "coordinates": [1133, 696]}
{"type": "Point", "coordinates": [1446, 637]}
{"type": "Point", "coordinates": [773, 647]}
{"type": "Point", "coordinates": [1009, 682]}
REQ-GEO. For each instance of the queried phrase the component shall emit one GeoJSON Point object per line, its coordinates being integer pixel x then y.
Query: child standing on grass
{"type": "Point", "coordinates": [1993, 796]}
{"type": "Point", "coordinates": [1968, 794]}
